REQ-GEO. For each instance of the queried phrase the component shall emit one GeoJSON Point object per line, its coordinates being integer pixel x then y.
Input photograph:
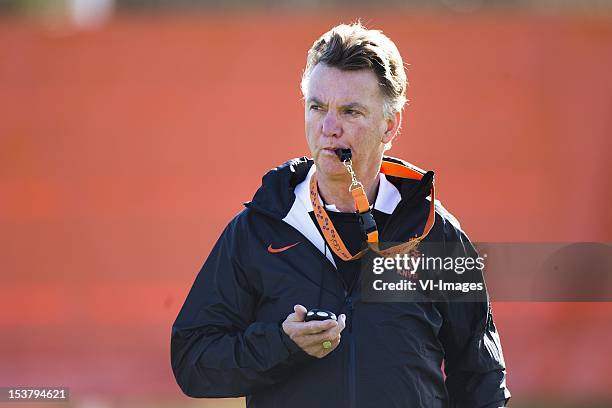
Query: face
{"type": "Point", "coordinates": [344, 109]}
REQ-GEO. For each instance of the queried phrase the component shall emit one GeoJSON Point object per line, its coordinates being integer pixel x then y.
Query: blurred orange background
{"type": "Point", "coordinates": [125, 150]}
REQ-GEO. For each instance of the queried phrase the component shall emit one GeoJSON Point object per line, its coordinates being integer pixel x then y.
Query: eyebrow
{"type": "Point", "coordinates": [352, 105]}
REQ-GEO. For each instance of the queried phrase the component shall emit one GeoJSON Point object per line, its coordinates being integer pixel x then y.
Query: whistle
{"type": "Point", "coordinates": [344, 154]}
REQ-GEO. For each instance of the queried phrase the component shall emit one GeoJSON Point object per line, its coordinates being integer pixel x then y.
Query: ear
{"type": "Point", "coordinates": [393, 125]}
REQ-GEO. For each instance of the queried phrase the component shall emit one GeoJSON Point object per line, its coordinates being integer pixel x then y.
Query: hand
{"type": "Point", "coordinates": [309, 336]}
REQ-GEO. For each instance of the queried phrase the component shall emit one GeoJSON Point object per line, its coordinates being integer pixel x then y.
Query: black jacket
{"type": "Point", "coordinates": [227, 340]}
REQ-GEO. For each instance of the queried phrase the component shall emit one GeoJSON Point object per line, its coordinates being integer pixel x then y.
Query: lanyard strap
{"type": "Point", "coordinates": [362, 207]}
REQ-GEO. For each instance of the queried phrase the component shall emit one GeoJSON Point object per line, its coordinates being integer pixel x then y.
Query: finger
{"type": "Point", "coordinates": [342, 322]}
{"type": "Point", "coordinates": [319, 351]}
{"type": "Point", "coordinates": [336, 330]}
{"type": "Point", "coordinates": [335, 342]}
{"type": "Point", "coordinates": [291, 317]}
{"type": "Point", "coordinates": [315, 340]}
{"type": "Point", "coordinates": [300, 312]}
{"type": "Point", "coordinates": [311, 328]}
{"type": "Point", "coordinates": [314, 327]}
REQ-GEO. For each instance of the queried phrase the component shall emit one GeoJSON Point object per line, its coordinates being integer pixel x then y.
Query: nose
{"type": "Point", "coordinates": [331, 125]}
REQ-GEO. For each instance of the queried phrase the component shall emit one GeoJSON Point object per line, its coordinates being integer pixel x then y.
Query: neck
{"type": "Point", "coordinates": [335, 190]}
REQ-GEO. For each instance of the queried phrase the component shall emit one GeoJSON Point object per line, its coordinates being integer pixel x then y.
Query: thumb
{"type": "Point", "coordinates": [342, 321]}
{"type": "Point", "coordinates": [300, 312]}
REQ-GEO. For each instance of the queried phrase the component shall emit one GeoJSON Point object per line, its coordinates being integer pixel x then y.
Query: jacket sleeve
{"type": "Point", "coordinates": [473, 363]}
{"type": "Point", "coordinates": [217, 348]}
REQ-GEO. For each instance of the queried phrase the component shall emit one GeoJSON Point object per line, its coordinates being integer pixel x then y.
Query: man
{"type": "Point", "coordinates": [241, 331]}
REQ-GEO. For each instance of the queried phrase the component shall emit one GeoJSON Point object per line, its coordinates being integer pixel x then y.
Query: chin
{"type": "Point", "coordinates": [330, 166]}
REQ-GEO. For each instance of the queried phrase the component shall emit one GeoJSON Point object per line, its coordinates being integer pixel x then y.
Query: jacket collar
{"type": "Point", "coordinates": [299, 218]}
{"type": "Point", "coordinates": [387, 199]}
{"type": "Point", "coordinates": [284, 195]}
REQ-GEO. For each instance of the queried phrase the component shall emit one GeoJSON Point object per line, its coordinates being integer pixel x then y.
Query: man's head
{"type": "Point", "coordinates": [354, 87]}
{"type": "Point", "coordinates": [354, 47]}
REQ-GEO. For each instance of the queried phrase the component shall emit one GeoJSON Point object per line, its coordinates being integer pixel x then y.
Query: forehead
{"type": "Point", "coordinates": [329, 84]}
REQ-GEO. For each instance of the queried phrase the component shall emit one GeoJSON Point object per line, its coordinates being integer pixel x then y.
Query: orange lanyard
{"type": "Point", "coordinates": [362, 206]}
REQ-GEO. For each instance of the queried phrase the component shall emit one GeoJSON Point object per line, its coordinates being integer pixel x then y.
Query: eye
{"type": "Point", "coordinates": [352, 112]}
{"type": "Point", "coordinates": [314, 107]}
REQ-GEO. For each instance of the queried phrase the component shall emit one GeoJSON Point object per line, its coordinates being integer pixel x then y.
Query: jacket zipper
{"type": "Point", "coordinates": [352, 354]}
{"type": "Point", "coordinates": [348, 299]}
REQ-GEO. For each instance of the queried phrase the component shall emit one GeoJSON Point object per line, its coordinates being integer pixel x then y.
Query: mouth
{"type": "Point", "coordinates": [340, 152]}
{"type": "Point", "coordinates": [333, 149]}
{"type": "Point", "coordinates": [330, 151]}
